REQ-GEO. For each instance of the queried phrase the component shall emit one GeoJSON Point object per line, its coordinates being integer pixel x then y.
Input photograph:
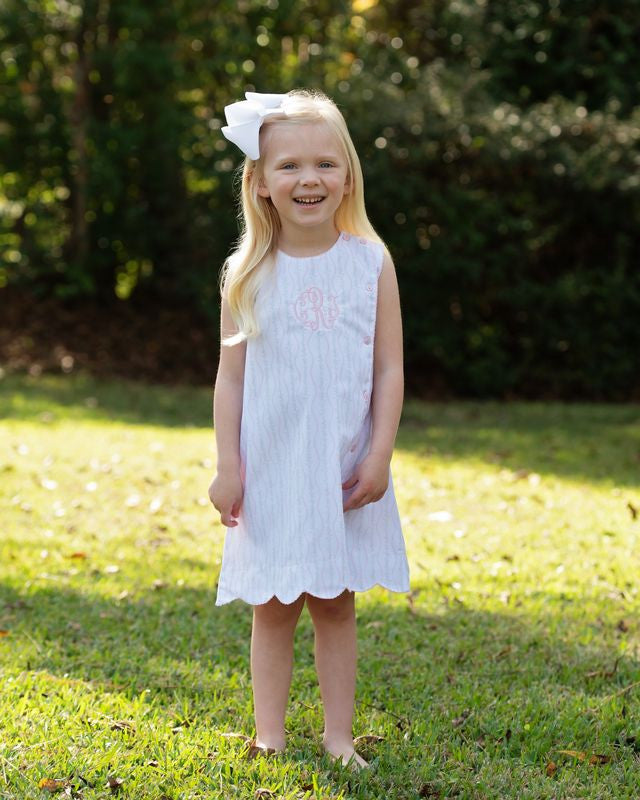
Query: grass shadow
{"type": "Point", "coordinates": [440, 683]}
{"type": "Point", "coordinates": [50, 398]}
{"type": "Point", "coordinates": [580, 441]}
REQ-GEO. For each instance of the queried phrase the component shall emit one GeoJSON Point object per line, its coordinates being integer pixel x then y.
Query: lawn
{"type": "Point", "coordinates": [511, 670]}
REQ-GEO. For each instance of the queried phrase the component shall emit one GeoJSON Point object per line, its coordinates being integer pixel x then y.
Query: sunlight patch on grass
{"type": "Point", "coordinates": [519, 639]}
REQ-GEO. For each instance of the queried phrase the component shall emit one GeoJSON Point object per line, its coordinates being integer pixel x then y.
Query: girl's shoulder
{"type": "Point", "coordinates": [372, 251]}
{"type": "Point", "coordinates": [363, 241]}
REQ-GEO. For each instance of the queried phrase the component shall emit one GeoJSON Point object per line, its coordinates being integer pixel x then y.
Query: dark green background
{"type": "Point", "coordinates": [499, 141]}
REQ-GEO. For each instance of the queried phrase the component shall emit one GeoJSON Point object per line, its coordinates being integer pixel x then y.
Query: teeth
{"type": "Point", "coordinates": [308, 201]}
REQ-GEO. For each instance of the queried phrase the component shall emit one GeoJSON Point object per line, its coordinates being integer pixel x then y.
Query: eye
{"type": "Point", "coordinates": [326, 164]}
{"type": "Point", "coordinates": [286, 166]}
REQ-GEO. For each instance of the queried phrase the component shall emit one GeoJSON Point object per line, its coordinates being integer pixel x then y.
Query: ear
{"type": "Point", "coordinates": [347, 186]}
{"type": "Point", "coordinates": [262, 189]}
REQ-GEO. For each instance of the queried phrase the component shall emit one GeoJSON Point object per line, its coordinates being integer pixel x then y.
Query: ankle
{"type": "Point", "coordinates": [337, 742]}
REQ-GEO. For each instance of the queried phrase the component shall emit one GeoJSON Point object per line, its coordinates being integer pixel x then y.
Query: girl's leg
{"type": "Point", "coordinates": [334, 621]}
{"type": "Point", "coordinates": [274, 624]}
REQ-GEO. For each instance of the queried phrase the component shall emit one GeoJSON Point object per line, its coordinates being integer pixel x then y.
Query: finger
{"type": "Point", "coordinates": [227, 519]}
{"type": "Point", "coordinates": [235, 508]}
{"type": "Point", "coordinates": [350, 482]}
{"type": "Point", "coordinates": [355, 501]}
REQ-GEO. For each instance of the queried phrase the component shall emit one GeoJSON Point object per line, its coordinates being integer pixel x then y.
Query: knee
{"type": "Point", "coordinates": [333, 610]}
{"type": "Point", "coordinates": [277, 614]}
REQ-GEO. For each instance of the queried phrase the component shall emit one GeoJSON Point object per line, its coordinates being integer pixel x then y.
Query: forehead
{"type": "Point", "coordinates": [299, 140]}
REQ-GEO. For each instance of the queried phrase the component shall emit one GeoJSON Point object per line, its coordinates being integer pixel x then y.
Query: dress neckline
{"type": "Point", "coordinates": [288, 257]}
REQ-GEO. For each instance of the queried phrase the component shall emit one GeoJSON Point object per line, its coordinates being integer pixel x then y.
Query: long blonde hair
{"type": "Point", "coordinates": [245, 269]}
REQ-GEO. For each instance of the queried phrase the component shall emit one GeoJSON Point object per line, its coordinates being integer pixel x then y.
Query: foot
{"type": "Point", "coordinates": [257, 747]}
{"type": "Point", "coordinates": [345, 754]}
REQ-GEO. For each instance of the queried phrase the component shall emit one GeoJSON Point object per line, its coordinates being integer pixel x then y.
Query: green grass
{"type": "Point", "coordinates": [520, 637]}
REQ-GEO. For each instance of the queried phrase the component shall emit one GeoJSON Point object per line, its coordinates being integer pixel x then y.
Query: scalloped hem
{"type": "Point", "coordinates": [288, 598]}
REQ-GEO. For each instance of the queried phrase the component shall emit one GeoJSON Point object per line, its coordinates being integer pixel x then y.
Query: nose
{"type": "Point", "coordinates": [309, 178]}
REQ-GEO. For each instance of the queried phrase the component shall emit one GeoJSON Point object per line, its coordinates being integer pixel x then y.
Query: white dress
{"type": "Point", "coordinates": [306, 422]}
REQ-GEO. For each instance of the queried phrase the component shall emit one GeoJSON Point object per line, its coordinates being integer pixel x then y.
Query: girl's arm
{"type": "Point", "coordinates": [226, 489]}
{"type": "Point", "coordinates": [372, 474]}
{"type": "Point", "coordinates": [388, 372]}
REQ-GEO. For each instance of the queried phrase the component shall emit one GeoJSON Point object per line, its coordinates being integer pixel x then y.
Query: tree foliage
{"type": "Point", "coordinates": [500, 144]}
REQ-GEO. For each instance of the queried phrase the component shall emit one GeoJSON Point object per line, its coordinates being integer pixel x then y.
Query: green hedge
{"type": "Point", "coordinates": [500, 144]}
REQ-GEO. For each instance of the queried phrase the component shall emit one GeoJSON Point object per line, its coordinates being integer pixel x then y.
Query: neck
{"type": "Point", "coordinates": [307, 241]}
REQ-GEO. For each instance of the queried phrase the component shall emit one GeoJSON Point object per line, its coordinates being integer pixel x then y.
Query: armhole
{"type": "Point", "coordinates": [379, 258]}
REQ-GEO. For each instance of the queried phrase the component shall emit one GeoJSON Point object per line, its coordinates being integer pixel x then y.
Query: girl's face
{"type": "Point", "coordinates": [304, 172]}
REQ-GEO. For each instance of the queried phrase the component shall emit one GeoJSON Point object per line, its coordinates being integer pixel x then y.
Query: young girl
{"type": "Point", "coordinates": [306, 405]}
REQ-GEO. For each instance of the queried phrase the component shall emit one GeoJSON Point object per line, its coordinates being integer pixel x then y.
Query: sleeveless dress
{"type": "Point", "coordinates": [306, 423]}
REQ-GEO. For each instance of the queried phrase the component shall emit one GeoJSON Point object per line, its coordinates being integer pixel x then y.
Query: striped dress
{"type": "Point", "coordinates": [306, 423]}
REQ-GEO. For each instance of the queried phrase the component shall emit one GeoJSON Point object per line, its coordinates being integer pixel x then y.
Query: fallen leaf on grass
{"type": "Point", "coordinates": [440, 516]}
{"type": "Point", "coordinates": [461, 719]}
{"type": "Point", "coordinates": [122, 725]}
{"type": "Point", "coordinates": [623, 626]}
{"type": "Point", "coordinates": [4, 632]}
{"type": "Point", "coordinates": [505, 738]}
{"type": "Point", "coordinates": [428, 790]}
{"type": "Point", "coordinates": [410, 599]}
{"type": "Point", "coordinates": [551, 768]}
{"type": "Point", "coordinates": [603, 672]}
{"type": "Point", "coordinates": [77, 555]}
{"type": "Point", "coordinates": [632, 510]}
{"type": "Point", "coordinates": [53, 784]}
{"type": "Point", "coordinates": [261, 792]}
{"type": "Point", "coordinates": [595, 758]}
{"type": "Point", "coordinates": [579, 754]}
{"type": "Point", "coordinates": [232, 735]}
{"type": "Point", "coordinates": [186, 722]}
{"type": "Point", "coordinates": [155, 505]}
{"type": "Point", "coordinates": [253, 751]}
{"type": "Point", "coordinates": [115, 784]}
{"type": "Point", "coordinates": [368, 738]}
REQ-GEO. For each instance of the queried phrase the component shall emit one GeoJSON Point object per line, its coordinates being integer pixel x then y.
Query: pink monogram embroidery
{"type": "Point", "coordinates": [311, 310]}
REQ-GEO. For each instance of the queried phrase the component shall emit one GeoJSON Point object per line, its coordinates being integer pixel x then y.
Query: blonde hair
{"type": "Point", "coordinates": [245, 269]}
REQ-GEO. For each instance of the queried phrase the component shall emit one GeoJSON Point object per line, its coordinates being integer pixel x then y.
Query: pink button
{"type": "Point", "coordinates": [346, 236]}
{"type": "Point", "coordinates": [353, 448]}
{"type": "Point", "coordinates": [367, 340]}
{"type": "Point", "coordinates": [369, 287]}
{"type": "Point", "coordinates": [363, 241]}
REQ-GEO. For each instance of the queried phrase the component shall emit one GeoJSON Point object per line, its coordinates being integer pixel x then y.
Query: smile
{"type": "Point", "coordinates": [308, 201]}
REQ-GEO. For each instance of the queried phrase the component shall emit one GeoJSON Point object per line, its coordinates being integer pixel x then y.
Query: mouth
{"type": "Point", "coordinates": [308, 201]}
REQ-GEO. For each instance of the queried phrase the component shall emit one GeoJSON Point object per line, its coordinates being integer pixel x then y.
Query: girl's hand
{"type": "Point", "coordinates": [226, 492]}
{"type": "Point", "coordinates": [371, 479]}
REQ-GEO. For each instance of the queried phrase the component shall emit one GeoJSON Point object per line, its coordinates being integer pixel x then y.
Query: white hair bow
{"type": "Point", "coordinates": [245, 118]}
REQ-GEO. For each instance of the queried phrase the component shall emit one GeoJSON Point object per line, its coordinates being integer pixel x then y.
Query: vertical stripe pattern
{"type": "Point", "coordinates": [306, 423]}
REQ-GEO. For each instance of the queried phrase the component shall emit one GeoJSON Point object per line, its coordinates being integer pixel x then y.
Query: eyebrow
{"type": "Point", "coordinates": [324, 157]}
